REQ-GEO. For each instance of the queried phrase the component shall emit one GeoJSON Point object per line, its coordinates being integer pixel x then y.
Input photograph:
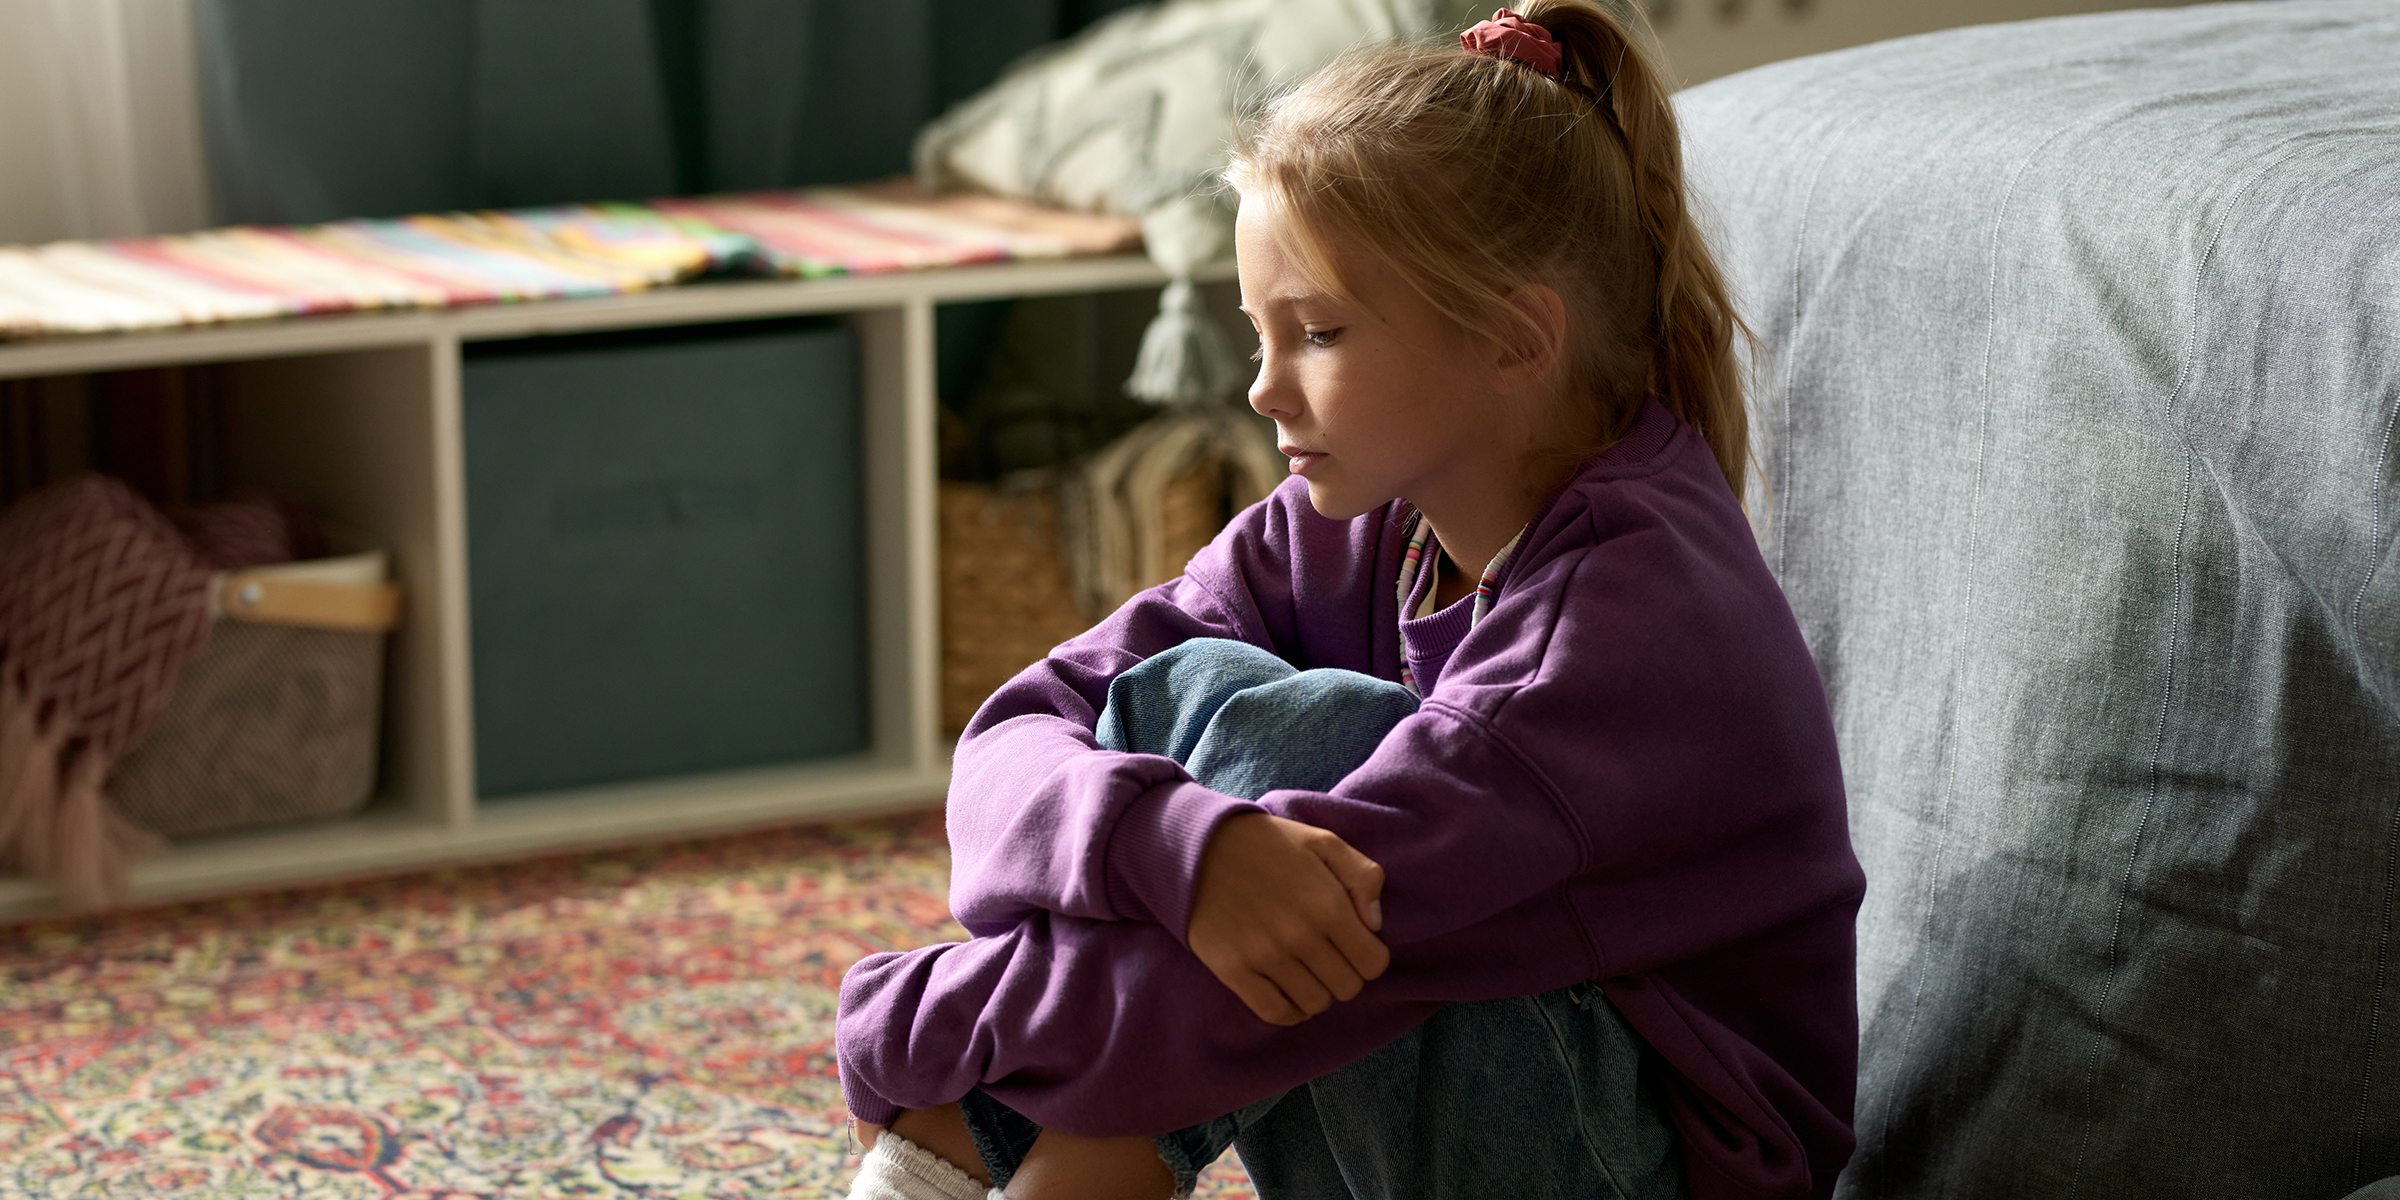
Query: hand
{"type": "Point", "coordinates": [1286, 915]}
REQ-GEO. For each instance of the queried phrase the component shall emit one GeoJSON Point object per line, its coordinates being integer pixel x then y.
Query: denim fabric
{"type": "Point", "coordinates": [1003, 1136]}
{"type": "Point", "coordinates": [1535, 1096]}
{"type": "Point", "coordinates": [1245, 722]}
{"type": "Point", "coordinates": [1531, 1096]}
{"type": "Point", "coordinates": [1189, 1150]}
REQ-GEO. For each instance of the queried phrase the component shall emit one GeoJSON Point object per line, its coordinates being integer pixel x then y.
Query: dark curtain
{"type": "Point", "coordinates": [323, 109]}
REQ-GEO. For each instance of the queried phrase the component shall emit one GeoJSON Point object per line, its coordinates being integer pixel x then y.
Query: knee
{"type": "Point", "coordinates": [1306, 732]}
{"type": "Point", "coordinates": [1202, 662]}
{"type": "Point", "coordinates": [1158, 705]}
{"type": "Point", "coordinates": [1337, 705]}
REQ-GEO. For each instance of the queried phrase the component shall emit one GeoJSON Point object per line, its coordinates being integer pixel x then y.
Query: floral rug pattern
{"type": "Point", "coordinates": [649, 1023]}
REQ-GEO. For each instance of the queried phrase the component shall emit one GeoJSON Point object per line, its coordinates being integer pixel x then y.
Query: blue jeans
{"type": "Point", "coordinates": [1536, 1096]}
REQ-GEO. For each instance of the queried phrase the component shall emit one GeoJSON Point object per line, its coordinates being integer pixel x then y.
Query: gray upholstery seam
{"type": "Point", "coordinates": [2166, 698]}
{"type": "Point", "coordinates": [1958, 654]}
{"type": "Point", "coordinates": [2391, 849]}
{"type": "Point", "coordinates": [1780, 504]}
{"type": "Point", "coordinates": [2133, 854]}
{"type": "Point", "coordinates": [2298, 146]}
{"type": "Point", "coordinates": [2374, 528]}
{"type": "Point", "coordinates": [2383, 962]}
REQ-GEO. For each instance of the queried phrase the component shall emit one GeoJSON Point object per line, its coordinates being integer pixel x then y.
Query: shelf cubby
{"type": "Point", "coordinates": [360, 415]}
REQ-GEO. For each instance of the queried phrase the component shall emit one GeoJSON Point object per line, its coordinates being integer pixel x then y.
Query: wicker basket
{"type": "Point", "coordinates": [276, 718]}
{"type": "Point", "coordinates": [1006, 593]}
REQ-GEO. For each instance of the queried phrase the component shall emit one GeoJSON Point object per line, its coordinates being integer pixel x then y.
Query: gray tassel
{"type": "Point", "coordinates": [1184, 358]}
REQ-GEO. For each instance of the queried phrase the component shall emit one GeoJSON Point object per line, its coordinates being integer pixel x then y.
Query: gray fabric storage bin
{"type": "Point", "coordinates": [664, 553]}
{"type": "Point", "coordinates": [2080, 369]}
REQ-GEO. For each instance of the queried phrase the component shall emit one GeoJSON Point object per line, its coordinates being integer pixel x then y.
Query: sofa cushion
{"type": "Point", "coordinates": [2079, 366]}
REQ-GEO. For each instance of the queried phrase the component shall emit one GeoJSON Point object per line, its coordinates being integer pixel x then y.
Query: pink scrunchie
{"type": "Point", "coordinates": [1510, 36]}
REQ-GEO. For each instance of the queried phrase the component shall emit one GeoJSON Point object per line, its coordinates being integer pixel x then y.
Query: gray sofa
{"type": "Point", "coordinates": [2078, 375]}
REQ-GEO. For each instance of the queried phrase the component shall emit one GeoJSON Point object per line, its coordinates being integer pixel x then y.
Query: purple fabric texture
{"type": "Point", "coordinates": [1624, 773]}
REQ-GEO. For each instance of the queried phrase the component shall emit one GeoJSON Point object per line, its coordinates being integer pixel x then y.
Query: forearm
{"type": "Point", "coordinates": [1037, 809]}
{"type": "Point", "coordinates": [1099, 1028]}
{"type": "Point", "coordinates": [1113, 1028]}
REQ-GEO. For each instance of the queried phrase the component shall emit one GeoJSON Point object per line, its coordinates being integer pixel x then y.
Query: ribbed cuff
{"type": "Point", "coordinates": [869, 1107]}
{"type": "Point", "coordinates": [1154, 853]}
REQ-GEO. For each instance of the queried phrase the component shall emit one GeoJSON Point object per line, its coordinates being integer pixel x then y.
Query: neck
{"type": "Point", "coordinates": [1494, 488]}
{"type": "Point", "coordinates": [1473, 528]}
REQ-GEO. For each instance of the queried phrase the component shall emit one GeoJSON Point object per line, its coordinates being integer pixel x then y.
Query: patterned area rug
{"type": "Point", "coordinates": [645, 1023]}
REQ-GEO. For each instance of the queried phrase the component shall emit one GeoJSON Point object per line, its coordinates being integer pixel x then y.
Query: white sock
{"type": "Point", "coordinates": [899, 1169]}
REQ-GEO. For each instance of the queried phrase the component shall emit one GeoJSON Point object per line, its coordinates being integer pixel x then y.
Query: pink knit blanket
{"type": "Point", "coordinates": [102, 602]}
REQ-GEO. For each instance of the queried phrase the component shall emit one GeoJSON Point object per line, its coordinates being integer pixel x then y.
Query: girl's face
{"type": "Point", "coordinates": [1368, 405]}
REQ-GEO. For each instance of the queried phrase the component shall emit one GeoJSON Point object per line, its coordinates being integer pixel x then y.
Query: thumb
{"type": "Point", "coordinates": [1359, 875]}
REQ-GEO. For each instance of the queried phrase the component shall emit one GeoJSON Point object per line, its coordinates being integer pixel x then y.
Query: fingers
{"type": "Point", "coordinates": [1287, 994]}
{"type": "Point", "coordinates": [1362, 952]}
{"type": "Point", "coordinates": [1311, 980]}
{"type": "Point", "coordinates": [1360, 876]}
{"type": "Point", "coordinates": [1302, 988]}
{"type": "Point", "coordinates": [1329, 971]}
{"type": "Point", "coordinates": [1265, 999]}
{"type": "Point", "coordinates": [1288, 985]}
{"type": "Point", "coordinates": [1289, 941]}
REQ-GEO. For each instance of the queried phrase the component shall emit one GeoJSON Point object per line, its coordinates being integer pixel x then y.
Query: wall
{"type": "Point", "coordinates": [99, 113]}
{"type": "Point", "coordinates": [99, 120]}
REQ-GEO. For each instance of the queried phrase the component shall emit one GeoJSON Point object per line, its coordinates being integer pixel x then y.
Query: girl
{"type": "Point", "coordinates": [1466, 820]}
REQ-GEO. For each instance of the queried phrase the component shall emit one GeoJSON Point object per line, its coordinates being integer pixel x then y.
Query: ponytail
{"type": "Point", "coordinates": [1474, 175]}
{"type": "Point", "coordinates": [1693, 369]}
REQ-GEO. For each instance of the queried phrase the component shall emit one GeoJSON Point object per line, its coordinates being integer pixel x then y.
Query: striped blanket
{"type": "Point", "coordinates": [447, 259]}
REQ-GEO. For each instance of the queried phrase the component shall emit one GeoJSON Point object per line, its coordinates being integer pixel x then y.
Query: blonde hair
{"type": "Point", "coordinates": [1472, 176]}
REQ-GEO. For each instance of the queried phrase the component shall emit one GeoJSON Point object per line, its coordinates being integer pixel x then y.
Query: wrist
{"type": "Point", "coordinates": [1152, 867]}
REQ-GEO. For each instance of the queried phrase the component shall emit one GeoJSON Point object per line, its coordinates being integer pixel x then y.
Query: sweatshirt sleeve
{"type": "Point", "coordinates": [1042, 819]}
{"type": "Point", "coordinates": [1075, 1021]}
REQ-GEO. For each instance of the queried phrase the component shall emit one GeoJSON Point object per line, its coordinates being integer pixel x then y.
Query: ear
{"type": "Point", "coordinates": [1536, 340]}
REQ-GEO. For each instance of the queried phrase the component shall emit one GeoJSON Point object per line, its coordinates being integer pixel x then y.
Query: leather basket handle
{"type": "Point", "coordinates": [364, 608]}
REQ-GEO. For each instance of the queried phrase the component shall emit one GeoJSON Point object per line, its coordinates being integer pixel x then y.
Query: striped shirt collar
{"type": "Point", "coordinates": [1422, 547]}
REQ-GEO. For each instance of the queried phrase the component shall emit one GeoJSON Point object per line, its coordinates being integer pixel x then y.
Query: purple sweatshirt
{"type": "Point", "coordinates": [1624, 773]}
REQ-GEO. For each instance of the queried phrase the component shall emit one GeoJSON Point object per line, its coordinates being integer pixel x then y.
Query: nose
{"type": "Point", "coordinates": [1273, 394]}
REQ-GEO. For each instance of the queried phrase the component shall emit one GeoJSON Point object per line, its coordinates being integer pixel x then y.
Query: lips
{"type": "Point", "coordinates": [1301, 460]}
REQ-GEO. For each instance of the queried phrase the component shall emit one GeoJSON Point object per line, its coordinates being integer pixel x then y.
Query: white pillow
{"type": "Point", "coordinates": [1136, 116]}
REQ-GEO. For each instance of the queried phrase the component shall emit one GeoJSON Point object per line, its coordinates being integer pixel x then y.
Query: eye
{"type": "Point", "coordinates": [1323, 337]}
{"type": "Point", "coordinates": [1260, 354]}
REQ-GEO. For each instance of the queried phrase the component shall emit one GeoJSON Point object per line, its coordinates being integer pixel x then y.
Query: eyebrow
{"type": "Point", "coordinates": [1286, 300]}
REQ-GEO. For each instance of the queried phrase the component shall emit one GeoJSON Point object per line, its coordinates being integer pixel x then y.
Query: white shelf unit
{"type": "Point", "coordinates": [358, 414]}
